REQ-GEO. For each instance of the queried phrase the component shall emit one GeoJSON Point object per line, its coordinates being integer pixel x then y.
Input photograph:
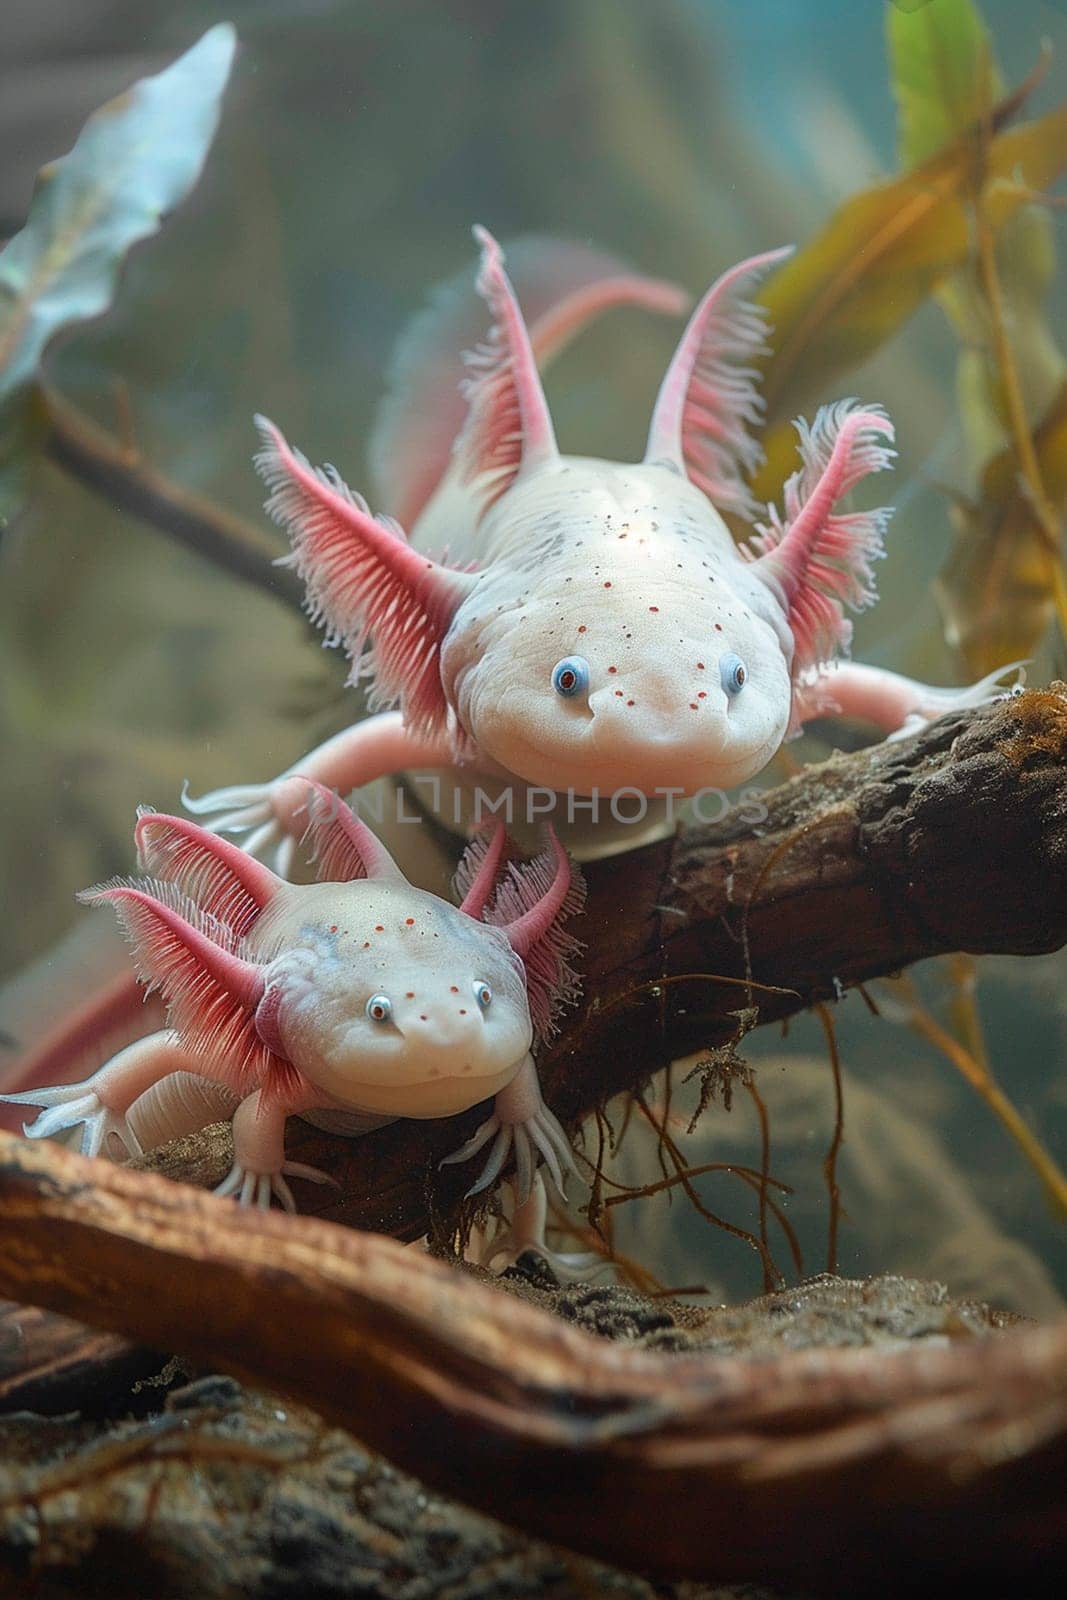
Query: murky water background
{"type": "Point", "coordinates": [359, 142]}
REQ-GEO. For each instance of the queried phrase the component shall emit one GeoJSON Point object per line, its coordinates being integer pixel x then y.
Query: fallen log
{"type": "Point", "coordinates": [818, 1467]}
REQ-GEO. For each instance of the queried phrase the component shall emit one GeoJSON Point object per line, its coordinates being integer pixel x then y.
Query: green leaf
{"type": "Point", "coordinates": [877, 259]}
{"type": "Point", "coordinates": [1026, 265]}
{"type": "Point", "coordinates": [997, 591]}
{"type": "Point", "coordinates": [134, 161]}
{"type": "Point", "coordinates": [1002, 581]}
{"type": "Point", "coordinates": [943, 74]}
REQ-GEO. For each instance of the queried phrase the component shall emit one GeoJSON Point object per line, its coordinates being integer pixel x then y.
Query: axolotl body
{"type": "Point", "coordinates": [354, 1000]}
{"type": "Point", "coordinates": [595, 628]}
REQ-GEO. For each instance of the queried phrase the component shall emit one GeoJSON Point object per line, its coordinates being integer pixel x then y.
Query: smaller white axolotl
{"type": "Point", "coordinates": [358, 998]}
{"type": "Point", "coordinates": [595, 630]}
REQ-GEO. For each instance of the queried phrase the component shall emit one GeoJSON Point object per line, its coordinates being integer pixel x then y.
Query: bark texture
{"type": "Point", "coordinates": [798, 1466]}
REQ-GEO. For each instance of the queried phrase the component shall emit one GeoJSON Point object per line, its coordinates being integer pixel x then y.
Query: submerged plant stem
{"type": "Point", "coordinates": [829, 1165]}
{"type": "Point", "coordinates": [985, 1085]}
{"type": "Point", "coordinates": [1045, 516]}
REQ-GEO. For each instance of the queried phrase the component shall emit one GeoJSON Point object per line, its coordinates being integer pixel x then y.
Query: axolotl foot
{"type": "Point", "coordinates": [258, 812]}
{"type": "Point", "coordinates": [523, 1124]}
{"type": "Point", "coordinates": [523, 1232]}
{"type": "Point", "coordinates": [259, 1166]}
{"type": "Point", "coordinates": [71, 1106]}
{"type": "Point", "coordinates": [271, 817]}
{"type": "Point", "coordinates": [251, 1188]}
{"type": "Point", "coordinates": [935, 702]}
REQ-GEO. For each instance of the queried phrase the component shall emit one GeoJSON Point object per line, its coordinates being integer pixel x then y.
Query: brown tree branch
{"type": "Point", "coordinates": [953, 840]}
{"type": "Point", "coordinates": [125, 480]}
{"type": "Point", "coordinates": [941, 1458]}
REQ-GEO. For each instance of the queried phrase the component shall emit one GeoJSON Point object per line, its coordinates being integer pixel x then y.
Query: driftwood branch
{"type": "Point", "coordinates": [941, 1458]}
{"type": "Point", "coordinates": [126, 480]}
{"type": "Point", "coordinates": [953, 840]}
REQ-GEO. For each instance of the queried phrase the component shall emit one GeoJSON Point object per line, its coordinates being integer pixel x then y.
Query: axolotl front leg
{"type": "Point", "coordinates": [154, 1091]}
{"type": "Point", "coordinates": [522, 1124]}
{"type": "Point", "coordinates": [273, 816]}
{"type": "Point", "coordinates": [891, 702]}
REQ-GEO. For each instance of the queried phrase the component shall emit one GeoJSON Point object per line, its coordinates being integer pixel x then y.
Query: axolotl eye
{"type": "Point", "coordinates": [733, 674]}
{"type": "Point", "coordinates": [482, 993]}
{"type": "Point", "coordinates": [570, 676]}
{"type": "Point", "coordinates": [379, 1008]}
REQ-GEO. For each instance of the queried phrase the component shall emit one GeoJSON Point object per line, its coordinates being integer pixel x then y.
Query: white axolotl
{"type": "Point", "coordinates": [352, 1001]}
{"type": "Point", "coordinates": [595, 629]}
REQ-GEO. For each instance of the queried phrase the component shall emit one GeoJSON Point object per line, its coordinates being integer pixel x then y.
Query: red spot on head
{"type": "Point", "coordinates": [613, 669]}
{"type": "Point", "coordinates": [463, 1011]}
{"type": "Point", "coordinates": [423, 1017]}
{"type": "Point", "coordinates": [581, 627]}
{"type": "Point", "coordinates": [619, 693]}
{"type": "Point", "coordinates": [607, 583]}
{"type": "Point", "coordinates": [366, 944]}
{"type": "Point", "coordinates": [410, 995]}
{"type": "Point", "coordinates": [333, 927]}
{"type": "Point", "coordinates": [379, 927]}
{"type": "Point", "coordinates": [410, 921]}
{"type": "Point", "coordinates": [631, 702]}
{"type": "Point", "coordinates": [454, 989]}
{"type": "Point", "coordinates": [700, 666]}
{"type": "Point", "coordinates": [703, 695]}
{"type": "Point", "coordinates": [693, 706]}
{"type": "Point", "coordinates": [718, 627]}
{"type": "Point", "coordinates": [653, 608]}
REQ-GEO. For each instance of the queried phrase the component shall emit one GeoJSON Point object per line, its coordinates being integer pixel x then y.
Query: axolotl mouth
{"type": "Point", "coordinates": [444, 1096]}
{"type": "Point", "coordinates": [415, 1064]}
{"type": "Point", "coordinates": [658, 767]}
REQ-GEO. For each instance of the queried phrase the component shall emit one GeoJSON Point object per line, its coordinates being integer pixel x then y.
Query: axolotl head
{"type": "Point", "coordinates": [628, 646]}
{"type": "Point", "coordinates": [358, 991]}
{"type": "Point", "coordinates": [619, 637]}
{"type": "Point", "coordinates": [390, 999]}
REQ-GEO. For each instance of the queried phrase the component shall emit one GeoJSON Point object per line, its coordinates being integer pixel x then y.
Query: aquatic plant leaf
{"type": "Point", "coordinates": [1002, 579]}
{"type": "Point", "coordinates": [1026, 265]}
{"type": "Point", "coordinates": [878, 258]}
{"type": "Point", "coordinates": [946, 81]}
{"type": "Point", "coordinates": [997, 590]}
{"type": "Point", "coordinates": [943, 75]}
{"type": "Point", "coordinates": [135, 159]}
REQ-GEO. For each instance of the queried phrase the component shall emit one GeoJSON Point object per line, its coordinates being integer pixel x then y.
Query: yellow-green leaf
{"type": "Point", "coordinates": [998, 589]}
{"type": "Point", "coordinates": [1004, 576]}
{"type": "Point", "coordinates": [943, 74]}
{"type": "Point", "coordinates": [877, 259]}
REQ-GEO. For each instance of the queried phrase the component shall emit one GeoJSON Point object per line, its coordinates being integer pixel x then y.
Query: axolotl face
{"type": "Point", "coordinates": [391, 1000]}
{"type": "Point", "coordinates": [621, 641]}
